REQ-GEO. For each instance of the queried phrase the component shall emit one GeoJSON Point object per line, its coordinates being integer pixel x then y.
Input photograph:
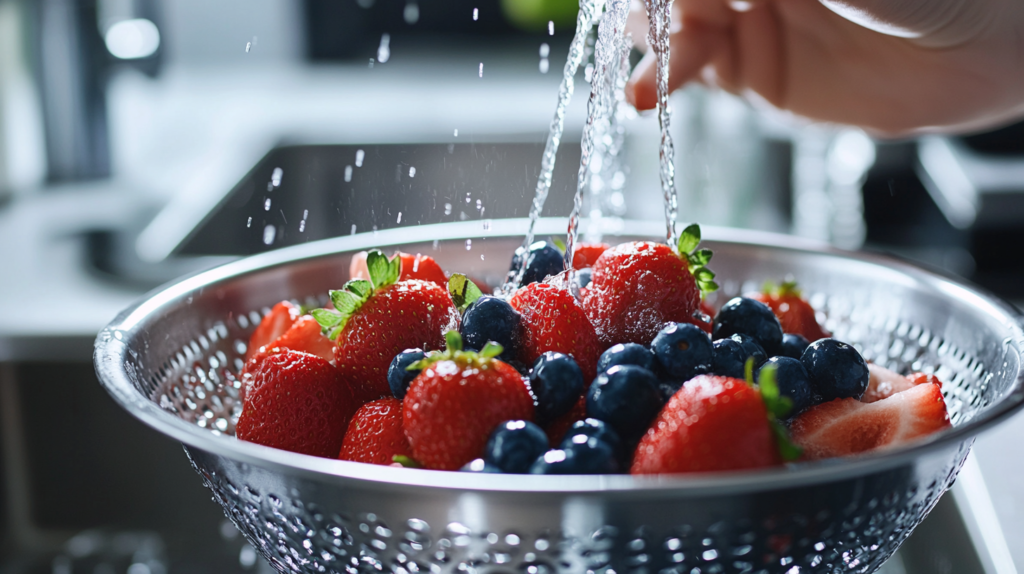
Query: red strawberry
{"type": "Point", "coordinates": [883, 383]}
{"type": "Point", "coordinates": [297, 402]}
{"type": "Point", "coordinates": [451, 408]}
{"type": "Point", "coordinates": [794, 312]}
{"type": "Point", "coordinates": [375, 435]}
{"type": "Point", "coordinates": [376, 319]}
{"type": "Point", "coordinates": [711, 424]}
{"type": "Point", "coordinates": [553, 320]}
{"type": "Point", "coordinates": [638, 287]}
{"type": "Point", "coordinates": [306, 335]}
{"type": "Point", "coordinates": [412, 267]}
{"type": "Point", "coordinates": [279, 320]}
{"type": "Point", "coordinates": [922, 378]}
{"type": "Point", "coordinates": [586, 254]}
{"type": "Point", "coordinates": [847, 426]}
{"type": "Point", "coordinates": [557, 428]}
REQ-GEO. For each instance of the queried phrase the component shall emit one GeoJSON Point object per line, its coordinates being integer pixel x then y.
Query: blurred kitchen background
{"type": "Point", "coordinates": [141, 140]}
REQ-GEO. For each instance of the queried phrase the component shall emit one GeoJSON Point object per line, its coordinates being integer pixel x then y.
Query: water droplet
{"type": "Point", "coordinates": [411, 13]}
{"type": "Point", "coordinates": [371, 62]}
{"type": "Point", "coordinates": [353, 229]}
{"type": "Point", "coordinates": [545, 50]}
{"type": "Point", "coordinates": [399, 217]}
{"type": "Point", "coordinates": [412, 171]}
{"type": "Point", "coordinates": [456, 132]}
{"type": "Point", "coordinates": [588, 72]}
{"type": "Point", "coordinates": [248, 46]}
{"type": "Point", "coordinates": [269, 234]}
{"type": "Point", "coordinates": [476, 14]}
{"type": "Point", "coordinates": [348, 173]}
{"type": "Point", "coordinates": [447, 209]}
{"type": "Point", "coordinates": [544, 65]}
{"type": "Point", "coordinates": [249, 223]}
{"type": "Point", "coordinates": [305, 213]}
{"type": "Point", "coordinates": [374, 230]}
{"type": "Point", "coordinates": [435, 244]}
{"type": "Point", "coordinates": [481, 257]}
{"type": "Point", "coordinates": [360, 154]}
{"type": "Point", "coordinates": [479, 204]}
{"type": "Point", "coordinates": [247, 556]}
{"type": "Point", "coordinates": [469, 244]}
{"type": "Point", "coordinates": [384, 50]}
{"type": "Point", "coordinates": [302, 226]}
{"type": "Point", "coordinates": [266, 205]}
{"type": "Point", "coordinates": [551, 27]}
{"type": "Point", "coordinates": [275, 178]}
{"type": "Point", "coordinates": [487, 225]}
{"type": "Point", "coordinates": [481, 69]}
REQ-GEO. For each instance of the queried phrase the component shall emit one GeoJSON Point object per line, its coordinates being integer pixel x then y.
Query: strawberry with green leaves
{"type": "Point", "coordinates": [794, 312]}
{"type": "Point", "coordinates": [640, 286]}
{"type": "Point", "coordinates": [374, 320]}
{"type": "Point", "coordinates": [457, 400]}
{"type": "Point", "coordinates": [715, 424]}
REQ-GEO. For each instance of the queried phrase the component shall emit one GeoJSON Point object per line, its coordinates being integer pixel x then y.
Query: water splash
{"type": "Point", "coordinates": [659, 13]}
{"type": "Point", "coordinates": [589, 10]}
{"type": "Point", "coordinates": [600, 106]}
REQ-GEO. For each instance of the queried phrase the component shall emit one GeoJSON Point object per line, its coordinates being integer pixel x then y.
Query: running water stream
{"type": "Point", "coordinates": [589, 11]}
{"type": "Point", "coordinates": [659, 13]}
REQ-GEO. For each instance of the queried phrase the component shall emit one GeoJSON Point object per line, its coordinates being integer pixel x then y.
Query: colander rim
{"type": "Point", "coordinates": [112, 350]}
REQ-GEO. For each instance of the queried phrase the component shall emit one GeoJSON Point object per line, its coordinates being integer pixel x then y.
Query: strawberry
{"type": "Point", "coordinates": [883, 383]}
{"type": "Point", "coordinates": [847, 426]}
{"type": "Point", "coordinates": [279, 320]}
{"type": "Point", "coordinates": [304, 335]}
{"type": "Point", "coordinates": [794, 312]}
{"type": "Point", "coordinates": [451, 408]}
{"type": "Point", "coordinates": [638, 287]}
{"type": "Point", "coordinates": [375, 435]}
{"type": "Point", "coordinates": [412, 267]}
{"type": "Point", "coordinates": [586, 254]}
{"type": "Point", "coordinates": [297, 402]}
{"type": "Point", "coordinates": [711, 424]}
{"type": "Point", "coordinates": [553, 320]}
{"type": "Point", "coordinates": [374, 320]}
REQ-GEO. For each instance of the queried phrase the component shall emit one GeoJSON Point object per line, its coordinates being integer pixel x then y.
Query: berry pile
{"type": "Point", "coordinates": [409, 366]}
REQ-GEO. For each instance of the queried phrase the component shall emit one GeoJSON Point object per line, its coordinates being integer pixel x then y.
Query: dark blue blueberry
{"type": "Point", "coordinates": [836, 369]}
{"type": "Point", "coordinates": [543, 259]}
{"type": "Point", "coordinates": [793, 345]}
{"type": "Point", "coordinates": [626, 354]}
{"type": "Point", "coordinates": [751, 348]}
{"type": "Point", "coordinates": [793, 382]}
{"type": "Point", "coordinates": [669, 388]}
{"type": "Point", "coordinates": [524, 369]}
{"type": "Point", "coordinates": [514, 445]}
{"type": "Point", "coordinates": [627, 398]}
{"type": "Point", "coordinates": [749, 317]}
{"type": "Point", "coordinates": [730, 358]}
{"type": "Point", "coordinates": [593, 428]}
{"type": "Point", "coordinates": [480, 465]}
{"type": "Point", "coordinates": [683, 351]}
{"type": "Point", "coordinates": [583, 455]}
{"type": "Point", "coordinates": [491, 318]}
{"type": "Point", "coordinates": [398, 377]}
{"type": "Point", "coordinates": [557, 382]}
{"type": "Point", "coordinates": [583, 276]}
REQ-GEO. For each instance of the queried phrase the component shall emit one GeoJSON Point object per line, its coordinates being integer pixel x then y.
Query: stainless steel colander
{"type": "Point", "coordinates": [171, 361]}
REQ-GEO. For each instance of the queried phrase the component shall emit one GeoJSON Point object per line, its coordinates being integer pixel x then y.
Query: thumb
{"type": "Point", "coordinates": [692, 47]}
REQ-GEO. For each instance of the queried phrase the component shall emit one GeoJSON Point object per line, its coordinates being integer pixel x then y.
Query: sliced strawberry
{"type": "Point", "coordinates": [794, 312]}
{"type": "Point", "coordinates": [412, 267]}
{"type": "Point", "coordinates": [922, 378]}
{"type": "Point", "coordinates": [375, 435]}
{"type": "Point", "coordinates": [553, 320]}
{"type": "Point", "coordinates": [452, 407]}
{"type": "Point", "coordinates": [296, 402]}
{"type": "Point", "coordinates": [845, 427]}
{"type": "Point", "coordinates": [279, 320]}
{"type": "Point", "coordinates": [711, 424]}
{"type": "Point", "coordinates": [586, 254]}
{"type": "Point", "coordinates": [883, 383]}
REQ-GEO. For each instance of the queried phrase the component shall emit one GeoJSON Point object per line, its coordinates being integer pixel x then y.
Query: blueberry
{"type": "Point", "coordinates": [583, 276]}
{"type": "Point", "coordinates": [491, 318]}
{"type": "Point", "coordinates": [626, 354]}
{"type": "Point", "coordinates": [749, 317]}
{"type": "Point", "coordinates": [398, 377]}
{"type": "Point", "coordinates": [683, 351]}
{"type": "Point", "coordinates": [593, 428]}
{"type": "Point", "coordinates": [543, 259]}
{"type": "Point", "coordinates": [668, 388]}
{"type": "Point", "coordinates": [731, 358]}
{"type": "Point", "coordinates": [514, 445]}
{"type": "Point", "coordinates": [557, 383]}
{"type": "Point", "coordinates": [751, 348]}
{"type": "Point", "coordinates": [793, 382]}
{"type": "Point", "coordinates": [627, 398]}
{"type": "Point", "coordinates": [584, 455]}
{"type": "Point", "coordinates": [480, 465]}
{"type": "Point", "coordinates": [793, 345]}
{"type": "Point", "coordinates": [836, 369]}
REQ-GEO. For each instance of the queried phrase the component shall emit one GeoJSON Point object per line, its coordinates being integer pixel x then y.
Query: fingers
{"type": "Point", "coordinates": [637, 24]}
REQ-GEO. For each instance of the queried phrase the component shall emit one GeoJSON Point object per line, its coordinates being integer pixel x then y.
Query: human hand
{"type": "Point", "coordinates": [893, 66]}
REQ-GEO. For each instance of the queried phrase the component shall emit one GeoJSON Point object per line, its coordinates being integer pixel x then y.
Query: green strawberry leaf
{"type": "Point", "coordinates": [787, 449]}
{"type": "Point", "coordinates": [453, 341]}
{"type": "Point", "coordinates": [361, 288]}
{"type": "Point", "coordinates": [407, 462]}
{"type": "Point", "coordinates": [346, 302]}
{"type": "Point", "coordinates": [454, 352]}
{"type": "Point", "coordinates": [777, 406]}
{"type": "Point", "coordinates": [463, 291]}
{"type": "Point", "coordinates": [383, 271]}
{"type": "Point", "coordinates": [327, 318]}
{"type": "Point", "coordinates": [689, 239]}
{"type": "Point", "coordinates": [491, 350]}
{"type": "Point", "coordinates": [748, 371]}
{"type": "Point", "coordinates": [701, 256]}
{"type": "Point", "coordinates": [558, 244]}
